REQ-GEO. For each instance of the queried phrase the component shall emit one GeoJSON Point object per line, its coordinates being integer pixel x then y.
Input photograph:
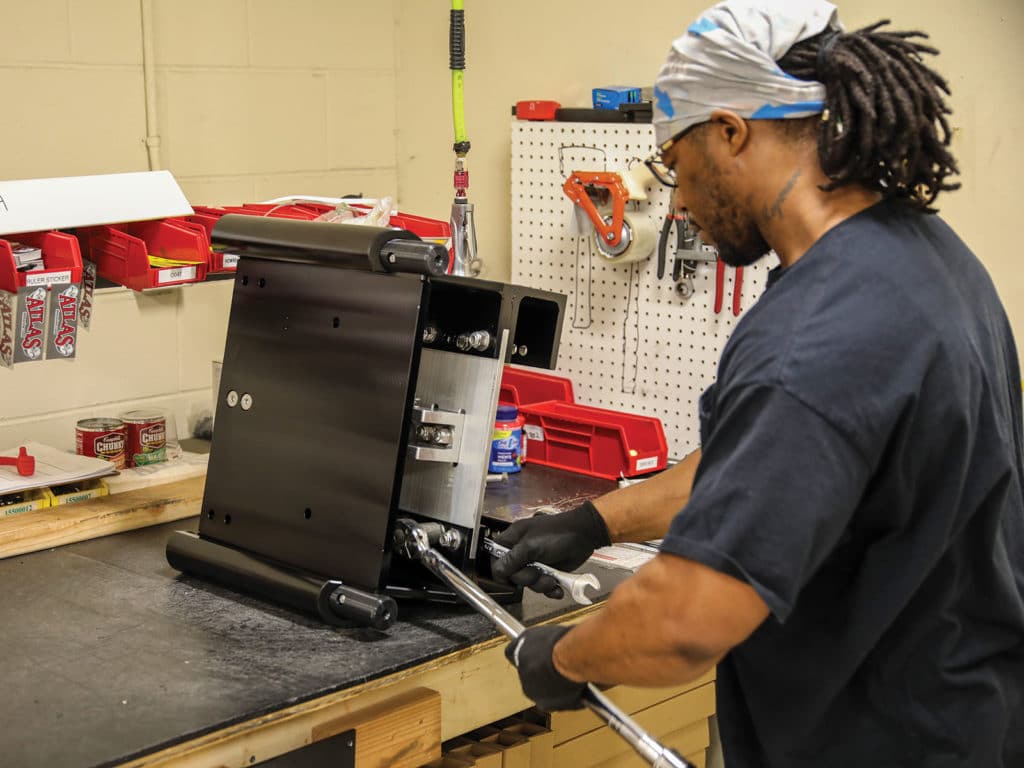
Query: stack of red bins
{"type": "Point", "coordinates": [580, 438]}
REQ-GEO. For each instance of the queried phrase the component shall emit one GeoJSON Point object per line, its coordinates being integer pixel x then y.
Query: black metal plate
{"type": "Point", "coordinates": [307, 475]}
{"type": "Point", "coordinates": [336, 752]}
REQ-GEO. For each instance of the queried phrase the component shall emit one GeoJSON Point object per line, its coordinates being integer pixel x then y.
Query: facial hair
{"type": "Point", "coordinates": [735, 235]}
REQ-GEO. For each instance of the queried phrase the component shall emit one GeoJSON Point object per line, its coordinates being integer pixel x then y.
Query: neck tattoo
{"type": "Point", "coordinates": [776, 209]}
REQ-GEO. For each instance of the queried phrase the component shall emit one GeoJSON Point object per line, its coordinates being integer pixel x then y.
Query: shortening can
{"type": "Point", "coordinates": [102, 438]}
{"type": "Point", "coordinates": [147, 436]}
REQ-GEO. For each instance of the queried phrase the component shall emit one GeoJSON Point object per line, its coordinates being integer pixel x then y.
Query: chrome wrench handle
{"type": "Point", "coordinates": [412, 541]}
{"type": "Point", "coordinates": [574, 584]}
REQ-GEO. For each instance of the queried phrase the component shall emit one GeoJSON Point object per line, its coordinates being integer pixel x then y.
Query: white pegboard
{"type": "Point", "coordinates": [629, 341]}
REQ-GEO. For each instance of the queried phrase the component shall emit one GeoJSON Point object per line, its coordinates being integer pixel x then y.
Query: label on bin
{"type": "Point", "coordinates": [175, 274]}
{"type": "Point", "coordinates": [46, 278]}
{"type": "Point", "coordinates": [230, 260]}
{"type": "Point", "coordinates": [533, 432]}
{"type": "Point", "coordinates": [649, 463]}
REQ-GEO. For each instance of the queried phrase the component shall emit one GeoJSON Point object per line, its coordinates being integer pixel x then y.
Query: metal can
{"type": "Point", "coordinates": [102, 438]}
{"type": "Point", "coordinates": [147, 436]}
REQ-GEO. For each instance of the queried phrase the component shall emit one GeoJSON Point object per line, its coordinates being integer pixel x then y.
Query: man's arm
{"type": "Point", "coordinates": [643, 511]}
{"type": "Point", "coordinates": [667, 625]}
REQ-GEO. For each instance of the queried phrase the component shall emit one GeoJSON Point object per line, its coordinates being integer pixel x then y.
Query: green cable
{"type": "Point", "coordinates": [458, 98]}
{"type": "Point", "coordinates": [458, 105]}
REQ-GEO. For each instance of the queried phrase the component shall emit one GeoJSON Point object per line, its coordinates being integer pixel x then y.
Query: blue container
{"type": "Point", "coordinates": [507, 446]}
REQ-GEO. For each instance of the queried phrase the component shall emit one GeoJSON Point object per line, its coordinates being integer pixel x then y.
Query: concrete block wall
{"type": "Point", "coordinates": [255, 99]}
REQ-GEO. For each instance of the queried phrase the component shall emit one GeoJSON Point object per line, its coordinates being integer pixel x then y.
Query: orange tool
{"type": "Point", "coordinates": [581, 185]}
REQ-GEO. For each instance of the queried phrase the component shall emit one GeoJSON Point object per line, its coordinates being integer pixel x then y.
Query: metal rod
{"type": "Point", "coordinates": [416, 544]}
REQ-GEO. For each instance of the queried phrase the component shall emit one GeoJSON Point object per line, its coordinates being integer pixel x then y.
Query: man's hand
{"type": "Point", "coordinates": [563, 541]}
{"type": "Point", "coordinates": [530, 653]}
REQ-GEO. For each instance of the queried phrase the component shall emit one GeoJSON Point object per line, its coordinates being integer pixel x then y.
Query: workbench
{"type": "Point", "coordinates": [109, 656]}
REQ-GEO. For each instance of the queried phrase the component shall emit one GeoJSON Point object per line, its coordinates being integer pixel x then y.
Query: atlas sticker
{"type": "Point", "coordinates": [31, 333]}
{"type": "Point", "coordinates": [88, 286]}
{"type": "Point", "coordinates": [63, 323]}
{"type": "Point", "coordinates": [7, 328]}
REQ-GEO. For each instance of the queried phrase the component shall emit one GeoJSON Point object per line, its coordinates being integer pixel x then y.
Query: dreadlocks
{"type": "Point", "coordinates": [884, 123]}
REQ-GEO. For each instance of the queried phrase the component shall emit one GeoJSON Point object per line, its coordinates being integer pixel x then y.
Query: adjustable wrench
{"type": "Point", "coordinates": [412, 541]}
{"type": "Point", "coordinates": [574, 584]}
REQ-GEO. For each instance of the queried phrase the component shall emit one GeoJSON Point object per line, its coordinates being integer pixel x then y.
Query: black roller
{"type": "Point", "coordinates": [332, 601]}
{"type": "Point", "coordinates": [349, 246]}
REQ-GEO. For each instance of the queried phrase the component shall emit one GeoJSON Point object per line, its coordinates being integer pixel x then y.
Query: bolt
{"type": "Point", "coordinates": [246, 401]}
{"type": "Point", "coordinates": [450, 538]}
{"type": "Point", "coordinates": [232, 399]}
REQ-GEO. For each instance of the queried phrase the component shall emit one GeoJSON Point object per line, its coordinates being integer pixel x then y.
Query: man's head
{"type": "Point", "coordinates": [758, 92]}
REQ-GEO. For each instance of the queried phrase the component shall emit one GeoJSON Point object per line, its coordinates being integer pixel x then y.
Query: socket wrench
{"type": "Point", "coordinates": [574, 584]}
{"type": "Point", "coordinates": [411, 540]}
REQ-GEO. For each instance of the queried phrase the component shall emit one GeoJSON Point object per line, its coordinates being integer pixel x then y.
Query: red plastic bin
{"type": "Point", "coordinates": [521, 387]}
{"type": "Point", "coordinates": [594, 441]}
{"type": "Point", "coordinates": [121, 253]}
{"type": "Point", "coordinates": [62, 260]}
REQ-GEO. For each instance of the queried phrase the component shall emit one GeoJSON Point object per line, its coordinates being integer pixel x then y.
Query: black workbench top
{"type": "Point", "coordinates": [106, 652]}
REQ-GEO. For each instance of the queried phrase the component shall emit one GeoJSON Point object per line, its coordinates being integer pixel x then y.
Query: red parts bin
{"type": "Point", "coordinates": [121, 253]}
{"type": "Point", "coordinates": [594, 441]}
{"type": "Point", "coordinates": [522, 387]}
{"type": "Point", "coordinates": [62, 260]}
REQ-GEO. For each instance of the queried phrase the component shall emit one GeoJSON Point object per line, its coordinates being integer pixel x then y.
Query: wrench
{"type": "Point", "coordinates": [412, 541]}
{"type": "Point", "coordinates": [574, 584]}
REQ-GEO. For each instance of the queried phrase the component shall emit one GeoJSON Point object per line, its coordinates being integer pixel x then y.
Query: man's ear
{"type": "Point", "coordinates": [731, 129]}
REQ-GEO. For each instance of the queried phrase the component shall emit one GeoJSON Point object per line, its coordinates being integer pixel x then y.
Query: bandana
{"type": "Point", "coordinates": [726, 60]}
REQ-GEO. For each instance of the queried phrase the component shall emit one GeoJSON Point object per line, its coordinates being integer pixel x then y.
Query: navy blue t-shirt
{"type": "Point", "coordinates": [862, 470]}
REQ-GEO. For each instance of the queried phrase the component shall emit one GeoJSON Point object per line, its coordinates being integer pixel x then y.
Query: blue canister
{"type": "Point", "coordinates": [507, 446]}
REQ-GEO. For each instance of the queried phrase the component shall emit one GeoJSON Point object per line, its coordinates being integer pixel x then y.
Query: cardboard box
{"type": "Point", "coordinates": [38, 498]}
{"type": "Point", "coordinates": [448, 762]}
{"type": "Point", "coordinates": [541, 740]}
{"type": "Point", "coordinates": [515, 748]}
{"type": "Point", "coordinates": [483, 755]}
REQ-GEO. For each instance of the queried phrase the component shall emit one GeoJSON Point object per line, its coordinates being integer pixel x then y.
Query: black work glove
{"type": "Point", "coordinates": [530, 653]}
{"type": "Point", "coordinates": [563, 541]}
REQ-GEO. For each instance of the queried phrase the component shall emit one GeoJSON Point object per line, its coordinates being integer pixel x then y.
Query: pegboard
{"type": "Point", "coordinates": [629, 342]}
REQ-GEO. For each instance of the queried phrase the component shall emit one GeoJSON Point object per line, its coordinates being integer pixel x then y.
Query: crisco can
{"type": "Point", "coordinates": [102, 439]}
{"type": "Point", "coordinates": [147, 436]}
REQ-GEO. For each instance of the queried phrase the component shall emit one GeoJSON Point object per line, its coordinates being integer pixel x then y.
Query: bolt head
{"type": "Point", "coordinates": [232, 399]}
{"type": "Point", "coordinates": [246, 401]}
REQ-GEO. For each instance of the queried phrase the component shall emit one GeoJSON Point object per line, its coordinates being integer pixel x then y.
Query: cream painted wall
{"type": "Point", "coordinates": [255, 99]}
{"type": "Point", "coordinates": [258, 98]}
{"type": "Point", "coordinates": [537, 49]}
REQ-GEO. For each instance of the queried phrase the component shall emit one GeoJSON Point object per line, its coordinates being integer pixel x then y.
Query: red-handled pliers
{"type": "Point", "coordinates": [737, 287]}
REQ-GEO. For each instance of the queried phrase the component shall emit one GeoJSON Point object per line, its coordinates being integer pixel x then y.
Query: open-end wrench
{"type": "Point", "coordinates": [412, 541]}
{"type": "Point", "coordinates": [574, 584]}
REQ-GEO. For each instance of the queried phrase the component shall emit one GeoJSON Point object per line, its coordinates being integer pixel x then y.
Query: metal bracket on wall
{"type": "Point", "coordinates": [437, 434]}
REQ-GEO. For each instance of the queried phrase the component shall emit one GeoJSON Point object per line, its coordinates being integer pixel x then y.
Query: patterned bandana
{"type": "Point", "coordinates": [726, 60]}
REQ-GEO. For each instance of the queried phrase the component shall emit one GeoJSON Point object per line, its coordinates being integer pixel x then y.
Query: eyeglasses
{"type": "Point", "coordinates": [656, 164]}
{"type": "Point", "coordinates": [661, 172]}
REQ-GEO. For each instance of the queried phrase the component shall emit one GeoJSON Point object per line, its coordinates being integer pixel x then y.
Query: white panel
{"type": "Point", "coordinates": [629, 341]}
{"type": "Point", "coordinates": [33, 205]}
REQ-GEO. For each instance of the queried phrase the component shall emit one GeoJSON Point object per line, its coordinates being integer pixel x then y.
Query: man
{"type": "Point", "coordinates": [848, 543]}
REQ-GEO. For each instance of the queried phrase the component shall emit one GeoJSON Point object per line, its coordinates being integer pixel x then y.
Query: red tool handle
{"type": "Point", "coordinates": [25, 464]}
{"type": "Point", "coordinates": [719, 284]}
{"type": "Point", "coordinates": [737, 287]}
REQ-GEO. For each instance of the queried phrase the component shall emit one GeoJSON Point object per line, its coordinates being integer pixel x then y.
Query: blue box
{"type": "Point", "coordinates": [610, 96]}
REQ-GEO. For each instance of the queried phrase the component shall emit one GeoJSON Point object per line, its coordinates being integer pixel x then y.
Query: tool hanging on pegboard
{"type": "Point", "coordinates": [465, 260]}
{"type": "Point", "coordinates": [617, 237]}
{"type": "Point", "coordinates": [737, 287]}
